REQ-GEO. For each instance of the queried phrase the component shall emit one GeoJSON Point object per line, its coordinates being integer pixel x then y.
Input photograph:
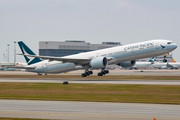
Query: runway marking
{"type": "Point", "coordinates": [140, 82]}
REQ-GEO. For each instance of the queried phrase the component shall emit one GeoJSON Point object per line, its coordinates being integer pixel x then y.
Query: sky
{"type": "Point", "coordinates": [94, 21]}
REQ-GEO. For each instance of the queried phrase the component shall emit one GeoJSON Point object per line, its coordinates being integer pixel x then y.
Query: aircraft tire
{"type": "Point", "coordinates": [83, 75]}
{"type": "Point", "coordinates": [100, 74]}
{"type": "Point", "coordinates": [103, 72]}
{"type": "Point", "coordinates": [164, 60]}
{"type": "Point", "coordinates": [107, 71]}
{"type": "Point", "coordinates": [87, 74]}
{"type": "Point", "coordinates": [90, 72]}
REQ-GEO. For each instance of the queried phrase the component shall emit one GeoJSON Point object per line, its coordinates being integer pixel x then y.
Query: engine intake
{"type": "Point", "coordinates": [127, 63]}
{"type": "Point", "coordinates": [99, 63]}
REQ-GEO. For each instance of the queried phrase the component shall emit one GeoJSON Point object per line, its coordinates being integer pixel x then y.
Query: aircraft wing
{"type": "Point", "coordinates": [80, 61]}
{"type": "Point", "coordinates": [169, 65]}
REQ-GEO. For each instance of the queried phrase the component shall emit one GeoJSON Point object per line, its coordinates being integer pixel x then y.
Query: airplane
{"type": "Point", "coordinates": [173, 64]}
{"type": "Point", "coordinates": [159, 65]}
{"type": "Point", "coordinates": [143, 64]}
{"type": "Point", "coordinates": [20, 64]}
{"type": "Point", "coordinates": [124, 56]}
{"type": "Point", "coordinates": [7, 65]}
{"type": "Point", "coordinates": [150, 63]}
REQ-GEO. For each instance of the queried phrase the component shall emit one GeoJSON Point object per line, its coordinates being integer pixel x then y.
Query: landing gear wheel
{"type": "Point", "coordinates": [83, 75]}
{"type": "Point", "coordinates": [90, 72]}
{"type": "Point", "coordinates": [107, 71]}
{"type": "Point", "coordinates": [87, 73]}
{"type": "Point", "coordinates": [165, 60]}
{"type": "Point", "coordinates": [100, 74]}
{"type": "Point", "coordinates": [103, 72]}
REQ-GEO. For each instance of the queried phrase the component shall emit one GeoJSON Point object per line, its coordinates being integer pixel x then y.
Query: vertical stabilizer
{"type": "Point", "coordinates": [173, 60]}
{"type": "Point", "coordinates": [152, 59]}
{"type": "Point", "coordinates": [26, 50]}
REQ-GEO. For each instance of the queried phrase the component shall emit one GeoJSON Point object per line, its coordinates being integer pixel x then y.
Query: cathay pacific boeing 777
{"type": "Point", "coordinates": [124, 56]}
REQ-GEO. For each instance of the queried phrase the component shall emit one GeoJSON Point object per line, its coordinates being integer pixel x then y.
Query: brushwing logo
{"type": "Point", "coordinates": [30, 58]}
{"type": "Point", "coordinates": [152, 59]}
{"type": "Point", "coordinates": [162, 47]}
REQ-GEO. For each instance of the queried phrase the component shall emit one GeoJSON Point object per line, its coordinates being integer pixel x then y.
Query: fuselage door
{"type": "Point", "coordinates": [157, 45]}
{"type": "Point", "coordinates": [44, 66]}
{"type": "Point", "coordinates": [132, 51]}
{"type": "Point", "coordinates": [97, 55]}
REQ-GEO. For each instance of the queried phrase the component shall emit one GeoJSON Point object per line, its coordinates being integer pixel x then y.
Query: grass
{"type": "Point", "coordinates": [107, 77]}
{"type": "Point", "coordinates": [164, 94]}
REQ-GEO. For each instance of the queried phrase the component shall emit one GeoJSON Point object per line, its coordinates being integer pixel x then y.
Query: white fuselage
{"type": "Point", "coordinates": [142, 64]}
{"type": "Point", "coordinates": [117, 54]}
{"type": "Point", "coordinates": [176, 64]}
{"type": "Point", "coordinates": [158, 65]}
{"type": "Point", "coordinates": [166, 65]}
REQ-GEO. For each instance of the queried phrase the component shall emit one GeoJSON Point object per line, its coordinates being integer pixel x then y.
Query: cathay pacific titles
{"type": "Point", "coordinates": [140, 46]}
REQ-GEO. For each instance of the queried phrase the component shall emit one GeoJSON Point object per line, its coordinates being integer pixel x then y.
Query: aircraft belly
{"type": "Point", "coordinates": [58, 68]}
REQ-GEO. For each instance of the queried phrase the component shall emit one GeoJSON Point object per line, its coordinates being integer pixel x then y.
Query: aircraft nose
{"type": "Point", "coordinates": [174, 46]}
{"type": "Point", "coordinates": [171, 46]}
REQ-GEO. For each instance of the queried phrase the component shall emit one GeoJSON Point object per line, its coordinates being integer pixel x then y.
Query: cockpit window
{"type": "Point", "coordinates": [169, 42]}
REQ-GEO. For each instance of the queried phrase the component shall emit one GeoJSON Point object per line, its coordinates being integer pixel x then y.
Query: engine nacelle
{"type": "Point", "coordinates": [99, 63]}
{"type": "Point", "coordinates": [127, 63]}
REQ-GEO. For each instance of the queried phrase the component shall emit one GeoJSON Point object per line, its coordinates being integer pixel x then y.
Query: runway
{"type": "Point", "coordinates": [142, 82]}
{"type": "Point", "coordinates": [71, 110]}
{"type": "Point", "coordinates": [87, 110]}
{"type": "Point", "coordinates": [153, 72]}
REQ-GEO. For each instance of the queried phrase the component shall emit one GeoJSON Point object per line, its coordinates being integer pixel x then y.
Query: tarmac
{"type": "Point", "coordinates": [141, 82]}
{"type": "Point", "coordinates": [71, 110]}
{"type": "Point", "coordinates": [162, 72]}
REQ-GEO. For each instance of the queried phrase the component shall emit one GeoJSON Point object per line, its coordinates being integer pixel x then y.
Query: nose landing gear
{"type": "Point", "coordinates": [165, 60]}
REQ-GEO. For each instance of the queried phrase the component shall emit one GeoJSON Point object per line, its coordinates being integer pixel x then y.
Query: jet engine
{"type": "Point", "coordinates": [127, 63]}
{"type": "Point", "coordinates": [99, 63]}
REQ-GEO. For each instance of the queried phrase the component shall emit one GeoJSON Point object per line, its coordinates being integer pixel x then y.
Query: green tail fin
{"type": "Point", "coordinates": [26, 50]}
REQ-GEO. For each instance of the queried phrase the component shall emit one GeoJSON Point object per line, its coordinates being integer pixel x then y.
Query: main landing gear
{"type": "Point", "coordinates": [87, 73]}
{"type": "Point", "coordinates": [103, 72]}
